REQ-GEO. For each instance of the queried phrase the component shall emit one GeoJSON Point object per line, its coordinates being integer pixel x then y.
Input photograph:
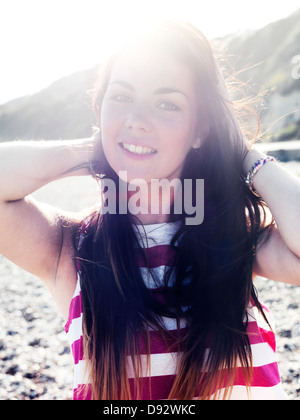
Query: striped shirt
{"type": "Point", "coordinates": [266, 383]}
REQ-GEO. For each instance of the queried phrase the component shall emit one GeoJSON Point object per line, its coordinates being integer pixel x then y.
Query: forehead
{"type": "Point", "coordinates": [151, 67]}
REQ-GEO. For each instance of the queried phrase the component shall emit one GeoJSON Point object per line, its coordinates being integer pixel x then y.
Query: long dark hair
{"type": "Point", "coordinates": [217, 255]}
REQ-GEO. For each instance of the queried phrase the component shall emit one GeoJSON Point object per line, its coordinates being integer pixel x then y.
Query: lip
{"type": "Point", "coordinates": [133, 155]}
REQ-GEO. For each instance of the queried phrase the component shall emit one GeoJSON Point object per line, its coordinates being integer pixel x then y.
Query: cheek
{"type": "Point", "coordinates": [179, 133]}
{"type": "Point", "coordinates": [182, 123]}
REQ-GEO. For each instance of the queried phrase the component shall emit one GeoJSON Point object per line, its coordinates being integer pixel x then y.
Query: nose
{"type": "Point", "coordinates": [138, 119]}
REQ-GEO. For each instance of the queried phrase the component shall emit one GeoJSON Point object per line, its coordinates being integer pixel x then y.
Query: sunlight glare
{"type": "Point", "coordinates": [43, 41]}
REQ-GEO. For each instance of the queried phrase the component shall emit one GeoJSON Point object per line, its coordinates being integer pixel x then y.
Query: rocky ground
{"type": "Point", "coordinates": [35, 360]}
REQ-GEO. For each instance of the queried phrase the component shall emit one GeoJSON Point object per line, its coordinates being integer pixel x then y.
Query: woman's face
{"type": "Point", "coordinates": [149, 116]}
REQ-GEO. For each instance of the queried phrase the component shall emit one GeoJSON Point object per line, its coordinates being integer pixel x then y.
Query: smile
{"type": "Point", "coordinates": [140, 150]}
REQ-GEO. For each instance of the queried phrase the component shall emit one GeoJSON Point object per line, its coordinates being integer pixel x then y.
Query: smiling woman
{"type": "Point", "coordinates": [155, 307]}
{"type": "Point", "coordinates": [165, 93]}
{"type": "Point", "coordinates": [150, 99]}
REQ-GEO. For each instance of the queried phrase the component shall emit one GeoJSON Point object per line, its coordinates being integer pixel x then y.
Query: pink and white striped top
{"type": "Point", "coordinates": [266, 384]}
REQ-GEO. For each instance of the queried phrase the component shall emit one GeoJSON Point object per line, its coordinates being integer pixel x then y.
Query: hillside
{"type": "Point", "coordinates": [268, 54]}
{"type": "Point", "coordinates": [63, 109]}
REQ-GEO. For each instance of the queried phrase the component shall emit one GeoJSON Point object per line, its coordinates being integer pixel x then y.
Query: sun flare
{"type": "Point", "coordinates": [50, 39]}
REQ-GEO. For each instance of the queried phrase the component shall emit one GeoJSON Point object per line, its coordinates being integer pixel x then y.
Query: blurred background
{"type": "Point", "coordinates": [50, 51]}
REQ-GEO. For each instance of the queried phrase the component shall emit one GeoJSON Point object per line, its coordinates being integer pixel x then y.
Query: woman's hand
{"type": "Point", "coordinates": [246, 148]}
{"type": "Point", "coordinates": [99, 162]}
{"type": "Point", "coordinates": [98, 159]}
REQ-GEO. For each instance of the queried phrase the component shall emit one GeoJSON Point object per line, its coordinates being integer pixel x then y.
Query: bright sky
{"type": "Point", "coordinates": [43, 40]}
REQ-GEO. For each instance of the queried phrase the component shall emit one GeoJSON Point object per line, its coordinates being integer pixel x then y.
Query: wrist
{"type": "Point", "coordinates": [82, 151]}
{"type": "Point", "coordinates": [251, 157]}
{"type": "Point", "coordinates": [98, 161]}
{"type": "Point", "coordinates": [75, 156]}
{"type": "Point", "coordinates": [259, 161]}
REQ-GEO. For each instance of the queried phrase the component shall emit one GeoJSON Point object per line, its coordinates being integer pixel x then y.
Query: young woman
{"type": "Point", "coordinates": [160, 303]}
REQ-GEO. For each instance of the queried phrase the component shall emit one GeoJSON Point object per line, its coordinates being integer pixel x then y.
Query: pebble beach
{"type": "Point", "coordinates": [35, 358]}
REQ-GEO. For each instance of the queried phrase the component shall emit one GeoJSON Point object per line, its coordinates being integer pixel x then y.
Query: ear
{"type": "Point", "coordinates": [202, 134]}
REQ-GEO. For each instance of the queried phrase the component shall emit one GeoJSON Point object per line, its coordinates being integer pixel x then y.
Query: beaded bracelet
{"type": "Point", "coordinates": [255, 168]}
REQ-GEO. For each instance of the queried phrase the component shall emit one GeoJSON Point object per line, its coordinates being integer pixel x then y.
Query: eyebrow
{"type": "Point", "coordinates": [160, 91]}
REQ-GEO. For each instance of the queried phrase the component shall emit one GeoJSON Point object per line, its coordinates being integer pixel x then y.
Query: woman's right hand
{"type": "Point", "coordinates": [99, 162]}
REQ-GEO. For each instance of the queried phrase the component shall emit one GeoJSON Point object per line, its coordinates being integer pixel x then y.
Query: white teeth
{"type": "Point", "coordinates": [140, 150]}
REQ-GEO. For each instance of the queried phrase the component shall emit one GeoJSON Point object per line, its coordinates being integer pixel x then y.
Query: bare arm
{"type": "Point", "coordinates": [33, 235]}
{"type": "Point", "coordinates": [25, 166]}
{"type": "Point", "coordinates": [279, 257]}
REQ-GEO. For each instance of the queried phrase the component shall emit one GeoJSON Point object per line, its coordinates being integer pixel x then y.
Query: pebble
{"type": "Point", "coordinates": [35, 357]}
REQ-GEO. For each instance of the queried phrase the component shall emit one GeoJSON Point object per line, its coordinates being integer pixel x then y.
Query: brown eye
{"type": "Point", "coordinates": [121, 98]}
{"type": "Point", "coordinates": [168, 106]}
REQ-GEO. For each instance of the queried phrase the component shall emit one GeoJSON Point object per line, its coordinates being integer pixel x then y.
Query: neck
{"type": "Point", "coordinates": [152, 202]}
{"type": "Point", "coordinates": [148, 203]}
